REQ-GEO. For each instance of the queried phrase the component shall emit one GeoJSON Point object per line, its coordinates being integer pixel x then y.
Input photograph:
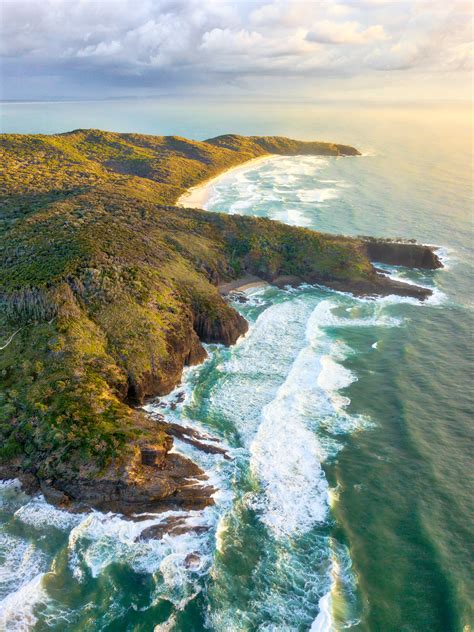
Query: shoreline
{"type": "Point", "coordinates": [241, 284]}
{"type": "Point", "coordinates": [249, 281]}
{"type": "Point", "coordinates": [198, 195]}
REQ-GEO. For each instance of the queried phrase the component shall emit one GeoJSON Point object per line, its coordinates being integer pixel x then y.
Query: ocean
{"type": "Point", "coordinates": [348, 503]}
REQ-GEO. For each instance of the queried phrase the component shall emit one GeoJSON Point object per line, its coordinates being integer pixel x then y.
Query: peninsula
{"type": "Point", "coordinates": [108, 289]}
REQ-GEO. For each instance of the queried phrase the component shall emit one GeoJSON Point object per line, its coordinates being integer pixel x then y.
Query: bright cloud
{"type": "Point", "coordinates": [327, 32]}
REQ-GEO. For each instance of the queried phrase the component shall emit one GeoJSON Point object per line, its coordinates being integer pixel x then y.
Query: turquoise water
{"type": "Point", "coordinates": [348, 504]}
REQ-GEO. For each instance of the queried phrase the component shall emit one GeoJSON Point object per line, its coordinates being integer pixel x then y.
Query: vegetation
{"type": "Point", "coordinates": [106, 284]}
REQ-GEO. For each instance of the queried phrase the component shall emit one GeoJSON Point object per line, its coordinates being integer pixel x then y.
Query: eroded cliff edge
{"type": "Point", "coordinates": [108, 291]}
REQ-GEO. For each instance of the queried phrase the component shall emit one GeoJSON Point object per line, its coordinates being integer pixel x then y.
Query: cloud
{"type": "Point", "coordinates": [100, 50]}
{"type": "Point", "coordinates": [327, 32]}
{"type": "Point", "coordinates": [227, 41]}
{"type": "Point", "coordinates": [115, 41]}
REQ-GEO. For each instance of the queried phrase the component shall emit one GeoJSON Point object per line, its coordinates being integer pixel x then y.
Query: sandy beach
{"type": "Point", "coordinates": [243, 283]}
{"type": "Point", "coordinates": [197, 196]}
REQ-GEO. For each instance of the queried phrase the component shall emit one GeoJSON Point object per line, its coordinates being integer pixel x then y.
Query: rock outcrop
{"type": "Point", "coordinates": [225, 331]}
{"type": "Point", "coordinates": [381, 285]}
{"type": "Point", "coordinates": [154, 478]}
{"type": "Point", "coordinates": [184, 348]}
{"type": "Point", "coordinates": [401, 253]}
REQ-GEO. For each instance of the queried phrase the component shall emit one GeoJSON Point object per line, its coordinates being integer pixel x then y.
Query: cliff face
{"type": "Point", "coordinates": [107, 291]}
{"type": "Point", "coordinates": [184, 348]}
{"type": "Point", "coordinates": [399, 253]}
{"type": "Point", "coordinates": [225, 331]}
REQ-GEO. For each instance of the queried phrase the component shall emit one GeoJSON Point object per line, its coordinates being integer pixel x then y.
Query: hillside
{"type": "Point", "coordinates": [108, 290]}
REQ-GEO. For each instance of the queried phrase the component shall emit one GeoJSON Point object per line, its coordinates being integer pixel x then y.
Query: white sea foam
{"type": "Point", "coordinates": [17, 610]}
{"type": "Point", "coordinates": [237, 207]}
{"type": "Point", "coordinates": [437, 297]}
{"type": "Point", "coordinates": [279, 330]}
{"type": "Point", "coordinates": [341, 593]}
{"type": "Point", "coordinates": [333, 377]}
{"type": "Point", "coordinates": [324, 622]}
{"type": "Point", "coordinates": [446, 254]}
{"type": "Point", "coordinates": [11, 494]}
{"type": "Point", "coordinates": [221, 531]}
{"type": "Point", "coordinates": [103, 539]}
{"type": "Point", "coordinates": [318, 195]}
{"type": "Point", "coordinates": [10, 484]}
{"type": "Point", "coordinates": [20, 561]}
{"type": "Point", "coordinates": [275, 181]}
{"type": "Point", "coordinates": [376, 317]}
{"type": "Point", "coordinates": [291, 216]}
{"type": "Point", "coordinates": [286, 455]}
{"type": "Point", "coordinates": [41, 515]}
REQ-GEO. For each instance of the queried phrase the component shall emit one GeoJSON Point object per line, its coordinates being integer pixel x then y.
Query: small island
{"type": "Point", "coordinates": [108, 289]}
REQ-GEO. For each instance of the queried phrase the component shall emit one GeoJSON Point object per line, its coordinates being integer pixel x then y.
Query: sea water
{"type": "Point", "coordinates": [347, 503]}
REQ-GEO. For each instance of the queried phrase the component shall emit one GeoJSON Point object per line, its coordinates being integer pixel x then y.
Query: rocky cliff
{"type": "Point", "coordinates": [401, 253]}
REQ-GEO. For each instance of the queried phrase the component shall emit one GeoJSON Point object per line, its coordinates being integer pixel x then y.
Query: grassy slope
{"type": "Point", "coordinates": [106, 281]}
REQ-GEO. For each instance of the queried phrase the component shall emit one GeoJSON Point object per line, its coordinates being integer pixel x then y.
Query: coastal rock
{"type": "Point", "coordinates": [174, 525]}
{"type": "Point", "coordinates": [184, 349]}
{"type": "Point", "coordinates": [168, 481]}
{"type": "Point", "coordinates": [55, 496]}
{"type": "Point", "coordinates": [214, 323]}
{"type": "Point", "coordinates": [283, 146]}
{"type": "Point", "coordinates": [380, 285]}
{"type": "Point", "coordinates": [194, 438]}
{"type": "Point", "coordinates": [29, 482]}
{"type": "Point", "coordinates": [224, 330]}
{"type": "Point", "coordinates": [401, 253]}
{"type": "Point", "coordinates": [288, 279]}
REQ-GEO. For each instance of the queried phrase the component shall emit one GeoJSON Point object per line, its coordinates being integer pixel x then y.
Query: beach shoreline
{"type": "Point", "coordinates": [242, 284]}
{"type": "Point", "coordinates": [198, 195]}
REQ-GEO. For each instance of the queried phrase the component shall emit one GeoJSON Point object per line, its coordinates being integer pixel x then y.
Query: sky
{"type": "Point", "coordinates": [322, 49]}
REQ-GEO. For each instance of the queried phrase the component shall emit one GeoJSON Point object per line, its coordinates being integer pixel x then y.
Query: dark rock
{"type": "Point", "coordinates": [172, 481]}
{"type": "Point", "coordinates": [194, 438]}
{"type": "Point", "coordinates": [55, 496]}
{"type": "Point", "coordinates": [174, 525]}
{"type": "Point", "coordinates": [184, 349]}
{"type": "Point", "coordinates": [225, 331]}
{"type": "Point", "coordinates": [29, 483]}
{"type": "Point", "coordinates": [238, 297]}
{"type": "Point", "coordinates": [380, 285]}
{"type": "Point", "coordinates": [401, 253]}
{"type": "Point", "coordinates": [153, 456]}
{"type": "Point", "coordinates": [192, 560]}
